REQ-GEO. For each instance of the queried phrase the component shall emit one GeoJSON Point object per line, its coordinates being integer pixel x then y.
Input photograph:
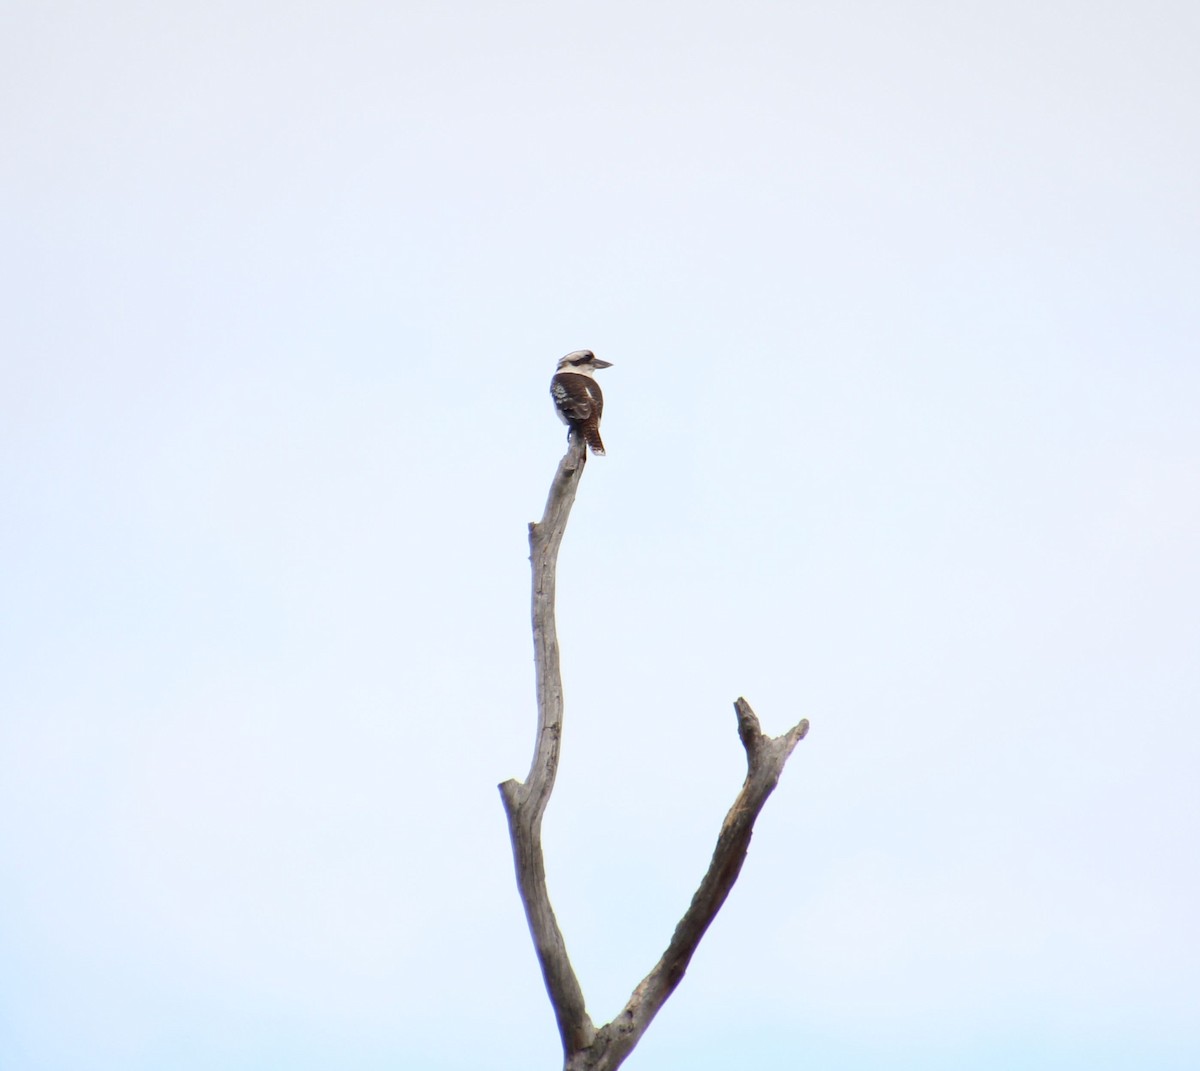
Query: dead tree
{"type": "Point", "coordinates": [585, 1046]}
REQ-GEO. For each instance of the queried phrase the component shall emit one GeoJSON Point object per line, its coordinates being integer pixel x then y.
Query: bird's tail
{"type": "Point", "coordinates": [591, 433]}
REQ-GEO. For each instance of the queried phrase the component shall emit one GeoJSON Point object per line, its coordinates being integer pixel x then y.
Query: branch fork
{"type": "Point", "coordinates": [586, 1047]}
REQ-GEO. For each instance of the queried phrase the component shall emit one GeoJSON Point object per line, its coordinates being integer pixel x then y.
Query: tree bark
{"type": "Point", "coordinates": [526, 803]}
{"type": "Point", "coordinates": [586, 1048]}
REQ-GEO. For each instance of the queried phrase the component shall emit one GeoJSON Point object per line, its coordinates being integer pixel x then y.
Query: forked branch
{"type": "Point", "coordinates": [586, 1048]}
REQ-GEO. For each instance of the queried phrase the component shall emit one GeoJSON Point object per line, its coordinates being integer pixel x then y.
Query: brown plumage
{"type": "Point", "coordinates": [577, 396]}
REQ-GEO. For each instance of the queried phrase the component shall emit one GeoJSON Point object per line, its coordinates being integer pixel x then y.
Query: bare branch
{"type": "Point", "coordinates": [584, 1047]}
{"type": "Point", "coordinates": [765, 758]}
{"type": "Point", "coordinates": [526, 803]}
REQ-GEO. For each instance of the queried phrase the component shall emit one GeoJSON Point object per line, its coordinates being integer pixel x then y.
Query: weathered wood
{"type": "Point", "coordinates": [765, 758]}
{"type": "Point", "coordinates": [525, 803]}
{"type": "Point", "coordinates": [584, 1047]}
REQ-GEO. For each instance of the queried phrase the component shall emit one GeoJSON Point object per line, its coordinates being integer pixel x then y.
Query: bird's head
{"type": "Point", "coordinates": [585, 362]}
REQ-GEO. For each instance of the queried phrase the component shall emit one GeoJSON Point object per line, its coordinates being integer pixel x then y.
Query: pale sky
{"type": "Point", "coordinates": [902, 305]}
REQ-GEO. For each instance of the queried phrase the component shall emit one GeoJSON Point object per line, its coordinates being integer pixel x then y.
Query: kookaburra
{"type": "Point", "coordinates": [577, 396]}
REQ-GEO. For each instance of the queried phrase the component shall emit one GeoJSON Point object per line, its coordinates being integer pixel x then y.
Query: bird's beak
{"type": "Point", "coordinates": [601, 364]}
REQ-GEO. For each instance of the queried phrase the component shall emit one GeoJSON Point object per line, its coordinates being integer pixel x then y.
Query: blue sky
{"type": "Point", "coordinates": [901, 302]}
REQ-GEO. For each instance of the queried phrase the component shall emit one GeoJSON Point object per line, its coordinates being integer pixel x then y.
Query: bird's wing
{"type": "Point", "coordinates": [572, 405]}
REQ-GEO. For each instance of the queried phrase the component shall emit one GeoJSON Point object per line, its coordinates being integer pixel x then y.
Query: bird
{"type": "Point", "coordinates": [577, 396]}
